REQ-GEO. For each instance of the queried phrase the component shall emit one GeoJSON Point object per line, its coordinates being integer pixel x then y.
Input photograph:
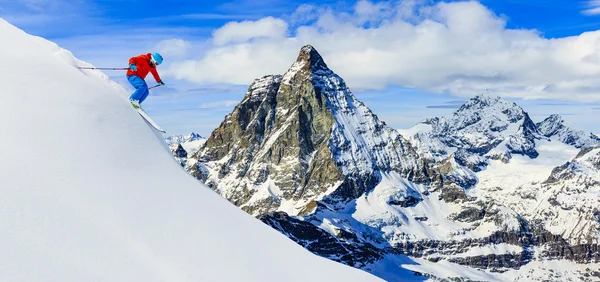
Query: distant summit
{"type": "Point", "coordinates": [554, 126]}
{"type": "Point", "coordinates": [483, 125]}
{"type": "Point", "coordinates": [178, 139]}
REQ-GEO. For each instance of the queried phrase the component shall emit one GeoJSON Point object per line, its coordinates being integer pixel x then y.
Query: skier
{"type": "Point", "coordinates": [138, 70]}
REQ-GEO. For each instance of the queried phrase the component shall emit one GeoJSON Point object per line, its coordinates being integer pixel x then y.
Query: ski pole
{"type": "Point", "coordinates": [90, 68]}
{"type": "Point", "coordinates": [155, 86]}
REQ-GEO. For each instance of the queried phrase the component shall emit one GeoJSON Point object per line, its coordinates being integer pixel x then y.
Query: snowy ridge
{"type": "Point", "coordinates": [178, 139]}
{"type": "Point", "coordinates": [113, 206]}
{"type": "Point", "coordinates": [554, 127]}
{"type": "Point", "coordinates": [360, 142]}
{"type": "Point", "coordinates": [482, 125]}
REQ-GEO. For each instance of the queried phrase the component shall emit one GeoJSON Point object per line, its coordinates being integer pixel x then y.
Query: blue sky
{"type": "Point", "coordinates": [198, 96]}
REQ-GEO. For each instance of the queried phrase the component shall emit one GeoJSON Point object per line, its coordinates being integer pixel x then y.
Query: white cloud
{"type": "Point", "coordinates": [461, 48]}
{"type": "Point", "coordinates": [173, 47]}
{"type": "Point", "coordinates": [235, 32]}
{"type": "Point", "coordinates": [304, 13]}
{"type": "Point", "coordinates": [367, 11]}
{"type": "Point", "coordinates": [592, 8]}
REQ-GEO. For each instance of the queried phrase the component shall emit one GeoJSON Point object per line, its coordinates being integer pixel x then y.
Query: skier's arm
{"type": "Point", "coordinates": [155, 74]}
{"type": "Point", "coordinates": [132, 63]}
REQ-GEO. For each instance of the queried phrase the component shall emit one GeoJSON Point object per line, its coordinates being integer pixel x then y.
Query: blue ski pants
{"type": "Point", "coordinates": [141, 88]}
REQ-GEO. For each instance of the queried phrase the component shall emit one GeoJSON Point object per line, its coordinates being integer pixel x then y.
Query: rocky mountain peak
{"type": "Point", "coordinates": [485, 105]}
{"type": "Point", "coordinates": [551, 125]}
{"type": "Point", "coordinates": [177, 139]}
{"type": "Point", "coordinates": [308, 63]}
{"type": "Point", "coordinates": [296, 139]}
{"type": "Point", "coordinates": [484, 118]}
{"type": "Point", "coordinates": [483, 100]}
{"type": "Point", "coordinates": [485, 127]}
{"type": "Point", "coordinates": [554, 127]}
{"type": "Point", "coordinates": [193, 136]}
{"type": "Point", "coordinates": [309, 56]}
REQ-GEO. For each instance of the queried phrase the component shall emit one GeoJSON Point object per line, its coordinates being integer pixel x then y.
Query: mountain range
{"type": "Point", "coordinates": [485, 193]}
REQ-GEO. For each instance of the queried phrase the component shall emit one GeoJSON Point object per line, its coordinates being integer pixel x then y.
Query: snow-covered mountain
{"type": "Point", "coordinates": [554, 127]}
{"type": "Point", "coordinates": [301, 153]}
{"type": "Point", "coordinates": [572, 192]}
{"type": "Point", "coordinates": [183, 146]}
{"type": "Point", "coordinates": [298, 138]}
{"type": "Point", "coordinates": [485, 126]}
{"type": "Point", "coordinates": [89, 192]}
{"type": "Point", "coordinates": [179, 139]}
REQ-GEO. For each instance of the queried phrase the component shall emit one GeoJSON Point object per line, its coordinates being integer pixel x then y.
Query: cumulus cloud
{"type": "Point", "coordinates": [366, 11]}
{"type": "Point", "coordinates": [304, 13]}
{"type": "Point", "coordinates": [236, 32]}
{"type": "Point", "coordinates": [173, 47]}
{"type": "Point", "coordinates": [461, 48]}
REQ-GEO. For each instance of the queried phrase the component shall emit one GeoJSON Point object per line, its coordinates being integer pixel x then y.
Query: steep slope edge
{"type": "Point", "coordinates": [89, 193]}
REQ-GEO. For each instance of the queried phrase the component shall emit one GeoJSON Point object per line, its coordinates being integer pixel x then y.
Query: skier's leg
{"type": "Point", "coordinates": [144, 95]}
{"type": "Point", "coordinates": [140, 87]}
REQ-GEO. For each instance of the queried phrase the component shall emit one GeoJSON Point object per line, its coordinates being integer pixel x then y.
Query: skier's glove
{"type": "Point", "coordinates": [161, 83]}
{"type": "Point", "coordinates": [133, 67]}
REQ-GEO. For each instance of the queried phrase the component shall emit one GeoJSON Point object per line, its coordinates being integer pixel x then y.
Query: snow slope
{"type": "Point", "coordinates": [99, 197]}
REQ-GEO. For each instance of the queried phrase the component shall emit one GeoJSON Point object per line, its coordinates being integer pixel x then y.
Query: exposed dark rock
{"type": "Point", "coordinates": [467, 159]}
{"type": "Point", "coordinates": [179, 152]}
{"type": "Point", "coordinates": [470, 214]}
{"type": "Point", "coordinates": [408, 201]}
{"type": "Point", "coordinates": [453, 193]}
{"type": "Point", "coordinates": [344, 248]}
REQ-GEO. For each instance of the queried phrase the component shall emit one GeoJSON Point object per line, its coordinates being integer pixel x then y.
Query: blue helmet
{"type": "Point", "coordinates": [157, 58]}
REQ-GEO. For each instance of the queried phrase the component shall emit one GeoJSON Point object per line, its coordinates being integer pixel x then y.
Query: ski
{"type": "Point", "coordinates": [149, 120]}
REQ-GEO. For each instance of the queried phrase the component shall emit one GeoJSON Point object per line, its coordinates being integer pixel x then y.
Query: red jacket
{"type": "Point", "coordinates": [142, 63]}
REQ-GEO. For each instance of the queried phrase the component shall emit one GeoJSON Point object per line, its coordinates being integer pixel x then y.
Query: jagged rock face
{"type": "Point", "coordinates": [342, 246]}
{"type": "Point", "coordinates": [179, 151]}
{"type": "Point", "coordinates": [554, 127]}
{"type": "Point", "coordinates": [297, 138]}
